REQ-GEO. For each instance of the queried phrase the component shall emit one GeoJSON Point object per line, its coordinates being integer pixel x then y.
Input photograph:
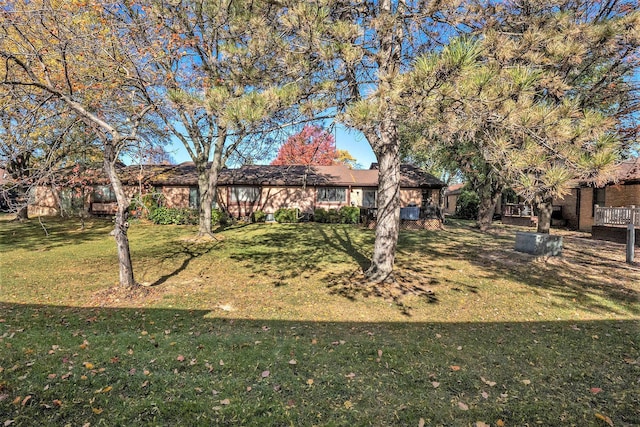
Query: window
{"type": "Point", "coordinates": [331, 194]}
{"type": "Point", "coordinates": [245, 194]}
{"type": "Point", "coordinates": [369, 198]}
{"type": "Point", "coordinates": [194, 197]}
{"type": "Point", "coordinates": [598, 199]}
{"type": "Point", "coordinates": [103, 194]}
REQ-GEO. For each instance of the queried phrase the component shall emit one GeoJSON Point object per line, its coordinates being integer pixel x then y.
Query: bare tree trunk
{"type": "Point", "coordinates": [489, 192]}
{"type": "Point", "coordinates": [388, 218]}
{"type": "Point", "coordinates": [122, 214]}
{"type": "Point", "coordinates": [204, 210]}
{"type": "Point", "coordinates": [23, 212]}
{"type": "Point", "coordinates": [545, 209]}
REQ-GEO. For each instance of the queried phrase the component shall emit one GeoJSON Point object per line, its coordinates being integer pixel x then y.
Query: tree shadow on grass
{"type": "Point", "coordinates": [31, 234]}
{"type": "Point", "coordinates": [588, 273]}
{"type": "Point", "coordinates": [189, 251]}
{"type": "Point", "coordinates": [299, 250]}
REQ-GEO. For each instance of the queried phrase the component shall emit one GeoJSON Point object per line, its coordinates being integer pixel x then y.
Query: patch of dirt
{"type": "Point", "coordinates": [118, 296]}
{"type": "Point", "coordinates": [403, 284]}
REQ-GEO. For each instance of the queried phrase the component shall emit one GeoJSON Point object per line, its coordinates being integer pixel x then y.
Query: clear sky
{"type": "Point", "coordinates": [352, 141]}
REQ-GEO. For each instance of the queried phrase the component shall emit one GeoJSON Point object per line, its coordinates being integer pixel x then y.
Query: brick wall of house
{"type": "Point", "coordinates": [274, 198]}
{"type": "Point", "coordinates": [586, 209]}
{"type": "Point", "coordinates": [622, 195]}
{"type": "Point", "coordinates": [44, 203]}
{"type": "Point", "coordinates": [569, 207]}
{"type": "Point", "coordinates": [414, 197]}
{"type": "Point", "coordinates": [175, 197]}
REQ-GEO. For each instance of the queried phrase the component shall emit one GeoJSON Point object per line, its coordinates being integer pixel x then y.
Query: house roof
{"type": "Point", "coordinates": [185, 174]}
{"type": "Point", "coordinates": [454, 189]}
{"type": "Point", "coordinates": [629, 171]}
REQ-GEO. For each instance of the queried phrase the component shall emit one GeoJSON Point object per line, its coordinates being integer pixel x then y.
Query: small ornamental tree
{"type": "Point", "coordinates": [311, 146]}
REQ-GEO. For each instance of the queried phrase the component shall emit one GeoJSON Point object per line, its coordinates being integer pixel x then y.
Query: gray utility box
{"type": "Point", "coordinates": [539, 244]}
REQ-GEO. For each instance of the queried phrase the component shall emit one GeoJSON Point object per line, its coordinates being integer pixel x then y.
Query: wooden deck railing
{"type": "Point", "coordinates": [617, 215]}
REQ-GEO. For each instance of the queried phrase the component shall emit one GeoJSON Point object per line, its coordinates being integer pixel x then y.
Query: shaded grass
{"type": "Point", "coordinates": [558, 337]}
{"type": "Point", "coordinates": [179, 367]}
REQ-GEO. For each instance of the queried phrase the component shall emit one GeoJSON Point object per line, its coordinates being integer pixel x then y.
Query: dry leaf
{"type": "Point", "coordinates": [310, 381]}
{"type": "Point", "coordinates": [435, 384]}
{"type": "Point", "coordinates": [350, 375]}
{"type": "Point", "coordinates": [526, 382]}
{"type": "Point", "coordinates": [421, 422]}
{"type": "Point", "coordinates": [481, 424]}
{"type": "Point", "coordinates": [292, 362]}
{"type": "Point", "coordinates": [225, 402]}
{"type": "Point", "coordinates": [463, 406]}
{"type": "Point", "coordinates": [500, 423]}
{"type": "Point", "coordinates": [454, 367]}
{"type": "Point", "coordinates": [97, 411]}
{"type": "Point", "coordinates": [347, 404]}
{"type": "Point", "coordinates": [88, 365]}
{"type": "Point", "coordinates": [487, 382]}
{"type": "Point", "coordinates": [485, 395]}
{"type": "Point", "coordinates": [180, 358]}
{"type": "Point", "coordinates": [26, 400]}
{"type": "Point", "coordinates": [605, 419]}
{"type": "Point", "coordinates": [265, 374]}
{"type": "Point", "coordinates": [8, 423]}
{"type": "Point", "coordinates": [57, 402]}
{"type": "Point", "coordinates": [595, 390]}
{"type": "Point", "coordinates": [221, 362]}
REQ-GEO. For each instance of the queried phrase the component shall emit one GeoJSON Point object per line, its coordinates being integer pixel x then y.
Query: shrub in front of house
{"type": "Point", "coordinates": [218, 216]}
{"type": "Point", "coordinates": [320, 215]}
{"type": "Point", "coordinates": [333, 216]}
{"type": "Point", "coordinates": [286, 215]}
{"type": "Point", "coordinates": [174, 216]}
{"type": "Point", "coordinates": [259, 216]}
{"type": "Point", "coordinates": [349, 214]}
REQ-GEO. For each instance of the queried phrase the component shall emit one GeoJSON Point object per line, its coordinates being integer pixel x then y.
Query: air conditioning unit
{"type": "Point", "coordinates": [410, 213]}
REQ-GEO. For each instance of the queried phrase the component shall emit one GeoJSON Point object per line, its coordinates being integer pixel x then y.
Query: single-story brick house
{"type": "Point", "coordinates": [241, 191]}
{"type": "Point", "coordinates": [577, 209]}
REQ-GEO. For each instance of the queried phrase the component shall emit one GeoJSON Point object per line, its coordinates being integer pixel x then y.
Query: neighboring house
{"type": "Point", "coordinates": [451, 195]}
{"type": "Point", "coordinates": [241, 191]}
{"type": "Point", "coordinates": [577, 209]}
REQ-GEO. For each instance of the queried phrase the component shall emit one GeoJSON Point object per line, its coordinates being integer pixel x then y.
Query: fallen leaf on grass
{"type": "Point", "coordinates": [605, 419]}
{"type": "Point", "coordinates": [487, 382]}
{"type": "Point", "coordinates": [8, 423]}
{"type": "Point", "coordinates": [265, 374]}
{"type": "Point", "coordinates": [526, 382]}
{"type": "Point", "coordinates": [88, 365]}
{"type": "Point", "coordinates": [106, 389]}
{"type": "Point", "coordinates": [463, 406]}
{"type": "Point", "coordinates": [485, 395]}
{"type": "Point", "coordinates": [421, 422]}
{"type": "Point", "coordinates": [57, 402]}
{"type": "Point", "coordinates": [347, 404]}
{"type": "Point", "coordinates": [454, 367]}
{"type": "Point", "coordinates": [310, 381]}
{"type": "Point", "coordinates": [481, 424]}
{"type": "Point", "coordinates": [595, 390]}
{"type": "Point", "coordinates": [293, 362]}
{"type": "Point", "coordinates": [350, 375]}
{"type": "Point", "coordinates": [435, 384]}
{"type": "Point", "coordinates": [225, 402]}
{"type": "Point", "coordinates": [500, 423]}
{"type": "Point", "coordinates": [180, 358]}
{"type": "Point", "coordinates": [97, 411]}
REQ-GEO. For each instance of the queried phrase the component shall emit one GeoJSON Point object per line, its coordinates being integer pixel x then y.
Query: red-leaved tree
{"type": "Point", "coordinates": [311, 146]}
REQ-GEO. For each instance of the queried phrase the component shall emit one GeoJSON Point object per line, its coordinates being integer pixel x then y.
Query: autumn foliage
{"type": "Point", "coordinates": [311, 146]}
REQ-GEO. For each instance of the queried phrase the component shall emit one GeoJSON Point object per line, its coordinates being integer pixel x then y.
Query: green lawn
{"type": "Point", "coordinates": [270, 325]}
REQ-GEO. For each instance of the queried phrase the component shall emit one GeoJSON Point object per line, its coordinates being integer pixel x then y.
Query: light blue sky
{"type": "Point", "coordinates": [346, 139]}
